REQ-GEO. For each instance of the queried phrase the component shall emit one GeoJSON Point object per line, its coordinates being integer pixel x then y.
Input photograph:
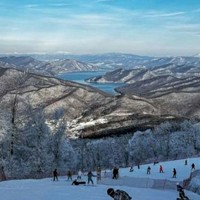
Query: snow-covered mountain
{"type": "Point", "coordinates": [197, 55]}
{"type": "Point", "coordinates": [45, 67]}
{"type": "Point", "coordinates": [45, 120]}
{"type": "Point", "coordinates": [107, 61]}
{"type": "Point", "coordinates": [112, 61]}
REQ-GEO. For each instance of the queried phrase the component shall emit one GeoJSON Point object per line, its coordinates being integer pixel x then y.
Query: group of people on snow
{"type": "Point", "coordinates": [120, 194]}
{"type": "Point", "coordinates": [79, 177]}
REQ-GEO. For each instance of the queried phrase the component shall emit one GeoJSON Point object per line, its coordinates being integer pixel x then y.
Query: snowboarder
{"type": "Point", "coordinates": [161, 169]}
{"type": "Point", "coordinates": [75, 182]}
{"type": "Point", "coordinates": [55, 175]}
{"type": "Point", "coordinates": [148, 170]}
{"type": "Point", "coordinates": [174, 173]}
{"type": "Point", "coordinates": [90, 175]}
{"type": "Point", "coordinates": [118, 194]}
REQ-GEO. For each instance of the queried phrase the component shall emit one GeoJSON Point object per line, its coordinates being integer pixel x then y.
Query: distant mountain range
{"type": "Point", "coordinates": [59, 63]}
{"type": "Point", "coordinates": [158, 90]}
{"type": "Point", "coordinates": [41, 115]}
{"type": "Point", "coordinates": [112, 61]}
{"type": "Point", "coordinates": [45, 67]}
{"type": "Point", "coordinates": [84, 111]}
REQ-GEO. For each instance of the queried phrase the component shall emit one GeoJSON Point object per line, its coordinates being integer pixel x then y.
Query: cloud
{"type": "Point", "coordinates": [163, 14]}
{"type": "Point", "coordinates": [31, 5]}
{"type": "Point", "coordinates": [95, 18]}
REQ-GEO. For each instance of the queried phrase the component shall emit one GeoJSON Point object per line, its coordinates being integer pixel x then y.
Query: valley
{"type": "Point", "coordinates": [51, 117]}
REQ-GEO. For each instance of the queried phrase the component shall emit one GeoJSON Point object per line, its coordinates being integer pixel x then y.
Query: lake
{"type": "Point", "coordinates": [80, 77]}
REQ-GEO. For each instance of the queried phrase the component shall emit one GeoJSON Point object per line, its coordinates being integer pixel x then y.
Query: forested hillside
{"type": "Point", "coordinates": [46, 123]}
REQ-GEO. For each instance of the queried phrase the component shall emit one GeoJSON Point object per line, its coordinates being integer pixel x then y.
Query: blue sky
{"type": "Point", "coordinates": [144, 27]}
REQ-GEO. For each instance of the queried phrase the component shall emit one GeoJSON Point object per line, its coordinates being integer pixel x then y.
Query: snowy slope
{"type": "Point", "coordinates": [46, 189]}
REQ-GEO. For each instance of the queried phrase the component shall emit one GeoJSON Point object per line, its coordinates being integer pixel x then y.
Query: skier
{"type": "Point", "coordinates": [148, 170]}
{"type": "Point", "coordinates": [185, 162]}
{"type": "Point", "coordinates": [174, 173]}
{"type": "Point", "coordinates": [161, 169]}
{"type": "Point", "coordinates": [90, 175]}
{"type": "Point", "coordinates": [192, 167]}
{"type": "Point", "coordinates": [118, 194]}
{"type": "Point", "coordinates": [55, 175]}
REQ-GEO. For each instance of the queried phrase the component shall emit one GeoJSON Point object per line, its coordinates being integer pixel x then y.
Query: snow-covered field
{"type": "Point", "coordinates": [46, 189]}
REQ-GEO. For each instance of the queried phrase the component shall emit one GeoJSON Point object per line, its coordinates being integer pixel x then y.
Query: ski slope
{"type": "Point", "coordinates": [46, 189]}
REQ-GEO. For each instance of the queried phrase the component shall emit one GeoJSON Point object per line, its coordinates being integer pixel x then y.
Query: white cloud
{"type": "Point", "coordinates": [164, 14]}
{"type": "Point", "coordinates": [31, 5]}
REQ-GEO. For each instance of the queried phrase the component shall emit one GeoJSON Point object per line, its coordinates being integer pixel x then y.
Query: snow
{"type": "Point", "coordinates": [91, 123]}
{"type": "Point", "coordinates": [46, 189]}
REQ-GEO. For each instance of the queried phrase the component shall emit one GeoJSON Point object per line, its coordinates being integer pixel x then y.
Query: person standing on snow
{"type": "Point", "coordinates": [55, 175]}
{"type": "Point", "coordinates": [192, 167]}
{"type": "Point", "coordinates": [148, 170]}
{"type": "Point", "coordinates": [118, 194]}
{"type": "Point", "coordinates": [161, 169]}
{"type": "Point", "coordinates": [69, 175]}
{"type": "Point", "coordinates": [79, 174]}
{"type": "Point", "coordinates": [90, 175]}
{"type": "Point", "coordinates": [186, 162]}
{"type": "Point", "coordinates": [115, 173]}
{"type": "Point", "coordinates": [174, 173]}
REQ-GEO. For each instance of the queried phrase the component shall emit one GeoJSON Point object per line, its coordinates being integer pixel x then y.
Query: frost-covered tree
{"type": "Point", "coordinates": [68, 157]}
{"type": "Point", "coordinates": [142, 146]}
{"type": "Point", "coordinates": [167, 141]}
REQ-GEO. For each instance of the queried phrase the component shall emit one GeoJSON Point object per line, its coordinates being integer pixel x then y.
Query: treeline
{"type": "Point", "coordinates": [33, 150]}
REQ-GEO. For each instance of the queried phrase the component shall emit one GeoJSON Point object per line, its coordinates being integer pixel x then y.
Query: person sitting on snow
{"type": "Point", "coordinates": [75, 182]}
{"type": "Point", "coordinates": [118, 194]}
